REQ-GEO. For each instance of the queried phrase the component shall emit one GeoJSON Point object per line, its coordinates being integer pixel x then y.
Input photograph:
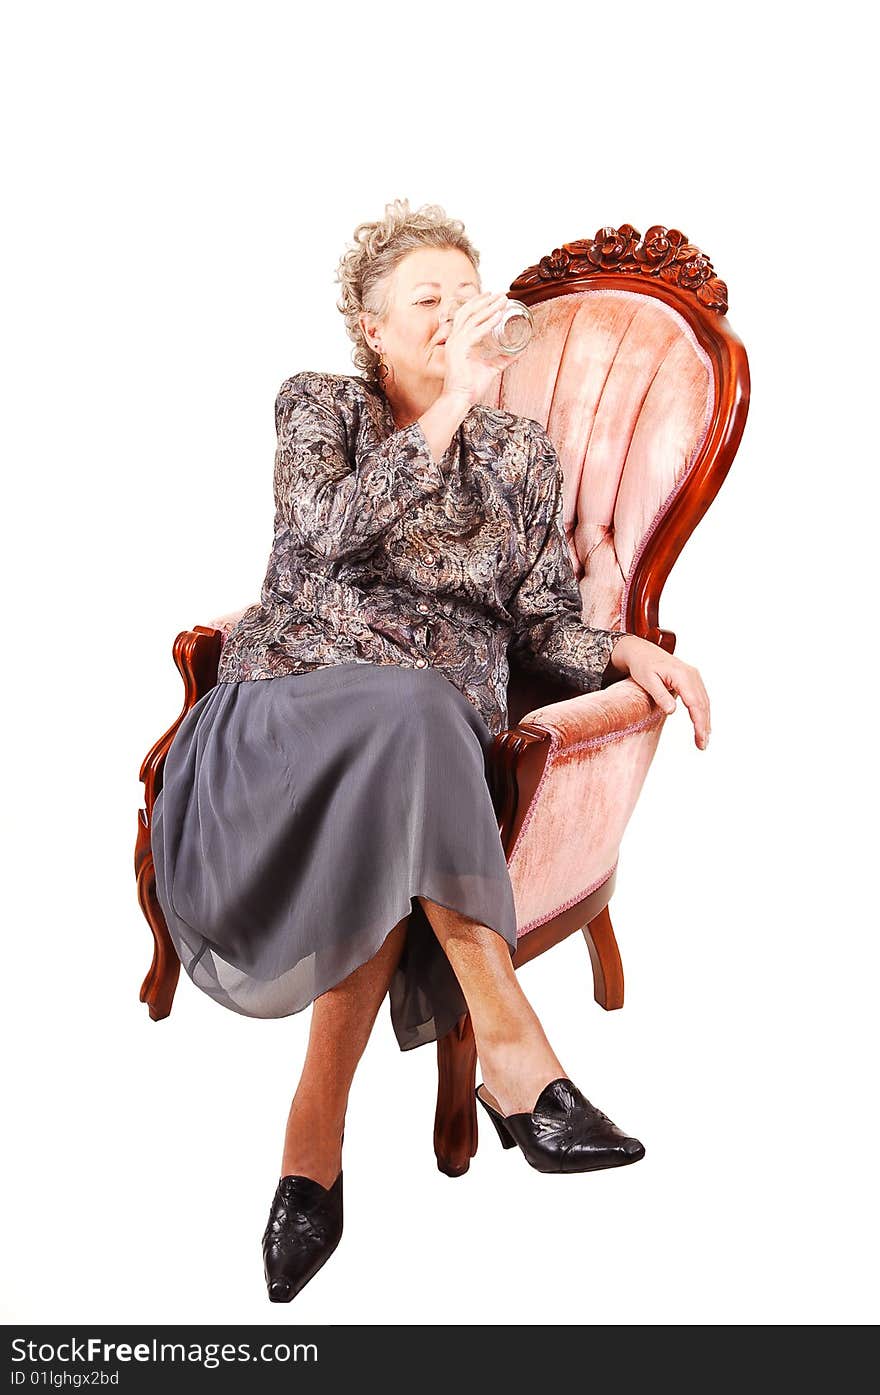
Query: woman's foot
{"type": "Point", "coordinates": [305, 1221]}
{"type": "Point", "coordinates": [568, 1133]}
{"type": "Point", "coordinates": [565, 1132]}
{"type": "Point", "coordinates": [303, 1230]}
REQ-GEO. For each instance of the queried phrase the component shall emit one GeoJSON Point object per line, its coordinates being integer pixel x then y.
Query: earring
{"type": "Point", "coordinates": [384, 372]}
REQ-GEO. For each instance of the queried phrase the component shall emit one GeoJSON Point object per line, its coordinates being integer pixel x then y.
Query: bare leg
{"type": "Point", "coordinates": [342, 1020]}
{"type": "Point", "coordinates": [516, 1058]}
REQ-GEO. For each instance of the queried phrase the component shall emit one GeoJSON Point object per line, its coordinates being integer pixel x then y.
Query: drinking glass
{"type": "Point", "coordinates": [510, 335]}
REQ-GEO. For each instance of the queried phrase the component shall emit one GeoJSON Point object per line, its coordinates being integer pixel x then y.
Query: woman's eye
{"type": "Point", "coordinates": [426, 302]}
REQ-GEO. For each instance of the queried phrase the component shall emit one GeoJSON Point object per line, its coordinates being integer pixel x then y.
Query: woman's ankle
{"type": "Point", "coordinates": [322, 1166]}
{"type": "Point", "coordinates": [313, 1143]}
{"type": "Point", "coordinates": [516, 1068]}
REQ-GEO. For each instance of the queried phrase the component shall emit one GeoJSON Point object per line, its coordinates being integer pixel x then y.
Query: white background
{"type": "Point", "coordinates": [181, 180]}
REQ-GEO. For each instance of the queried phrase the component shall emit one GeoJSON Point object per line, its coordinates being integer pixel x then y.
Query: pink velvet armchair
{"type": "Point", "coordinates": [643, 388]}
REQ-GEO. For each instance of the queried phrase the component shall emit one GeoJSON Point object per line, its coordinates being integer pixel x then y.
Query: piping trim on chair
{"type": "Point", "coordinates": [652, 719]}
{"type": "Point", "coordinates": [572, 901]}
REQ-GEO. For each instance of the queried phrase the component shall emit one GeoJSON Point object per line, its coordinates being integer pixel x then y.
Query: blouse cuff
{"type": "Point", "coordinates": [426, 469]}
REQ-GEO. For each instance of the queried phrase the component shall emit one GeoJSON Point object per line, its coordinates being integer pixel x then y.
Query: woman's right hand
{"type": "Point", "coordinates": [471, 367]}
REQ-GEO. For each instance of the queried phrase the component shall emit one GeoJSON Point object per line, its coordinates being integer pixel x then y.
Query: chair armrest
{"type": "Point", "coordinates": [579, 766]}
{"type": "Point", "coordinates": [196, 655]}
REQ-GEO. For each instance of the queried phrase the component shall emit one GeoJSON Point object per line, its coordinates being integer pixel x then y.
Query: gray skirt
{"type": "Point", "coordinates": [299, 818]}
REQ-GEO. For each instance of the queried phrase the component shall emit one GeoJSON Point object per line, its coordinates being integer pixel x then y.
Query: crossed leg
{"type": "Point", "coordinates": [516, 1058]}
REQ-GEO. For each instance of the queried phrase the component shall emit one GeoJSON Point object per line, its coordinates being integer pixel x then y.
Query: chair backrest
{"type": "Point", "coordinates": [643, 388]}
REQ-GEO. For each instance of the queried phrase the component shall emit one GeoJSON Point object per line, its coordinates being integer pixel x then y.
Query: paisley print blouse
{"type": "Point", "coordinates": [382, 555]}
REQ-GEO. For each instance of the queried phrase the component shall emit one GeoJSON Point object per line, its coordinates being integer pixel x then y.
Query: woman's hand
{"type": "Point", "coordinates": [471, 368]}
{"type": "Point", "coordinates": [663, 676]}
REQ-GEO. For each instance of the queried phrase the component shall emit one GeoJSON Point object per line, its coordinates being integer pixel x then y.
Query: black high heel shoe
{"type": "Point", "coordinates": [564, 1132]}
{"type": "Point", "coordinates": [303, 1230]}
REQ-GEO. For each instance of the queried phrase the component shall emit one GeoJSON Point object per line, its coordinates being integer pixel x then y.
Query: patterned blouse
{"type": "Point", "coordinates": [381, 555]}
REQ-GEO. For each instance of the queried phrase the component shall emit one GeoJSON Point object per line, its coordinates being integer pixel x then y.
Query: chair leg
{"type": "Point", "coordinates": [455, 1121]}
{"type": "Point", "coordinates": [157, 989]}
{"type": "Point", "coordinates": [605, 958]}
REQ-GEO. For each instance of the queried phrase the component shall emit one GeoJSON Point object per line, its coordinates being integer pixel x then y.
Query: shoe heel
{"type": "Point", "coordinates": [500, 1127]}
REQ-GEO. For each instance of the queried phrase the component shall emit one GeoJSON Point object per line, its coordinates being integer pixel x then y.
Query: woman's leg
{"type": "Point", "coordinates": [342, 1020]}
{"type": "Point", "coordinates": [516, 1058]}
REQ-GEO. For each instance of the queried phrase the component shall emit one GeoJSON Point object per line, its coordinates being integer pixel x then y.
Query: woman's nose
{"type": "Point", "coordinates": [447, 312]}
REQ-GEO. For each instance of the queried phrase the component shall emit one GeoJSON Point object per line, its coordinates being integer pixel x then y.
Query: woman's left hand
{"type": "Point", "coordinates": [664, 677]}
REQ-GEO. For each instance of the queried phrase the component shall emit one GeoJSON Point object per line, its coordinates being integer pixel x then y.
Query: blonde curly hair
{"type": "Point", "coordinates": [378, 249]}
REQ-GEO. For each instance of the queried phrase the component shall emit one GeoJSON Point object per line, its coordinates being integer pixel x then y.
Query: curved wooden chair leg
{"type": "Point", "coordinates": [605, 958]}
{"type": "Point", "coordinates": [455, 1121]}
{"type": "Point", "coordinates": [157, 989]}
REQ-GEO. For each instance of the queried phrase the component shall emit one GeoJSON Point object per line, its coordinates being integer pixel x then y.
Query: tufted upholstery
{"type": "Point", "coordinates": [626, 395]}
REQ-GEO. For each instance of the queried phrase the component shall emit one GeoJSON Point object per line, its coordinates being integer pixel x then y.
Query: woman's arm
{"type": "Point", "coordinates": [549, 635]}
{"type": "Point", "coordinates": [337, 507]}
{"type": "Point", "coordinates": [441, 421]}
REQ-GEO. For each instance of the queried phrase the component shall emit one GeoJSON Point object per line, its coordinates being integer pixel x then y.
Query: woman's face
{"type": "Point", "coordinates": [425, 290]}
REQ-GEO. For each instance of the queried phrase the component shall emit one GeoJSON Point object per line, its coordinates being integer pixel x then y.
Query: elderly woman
{"type": "Point", "coordinates": [326, 831]}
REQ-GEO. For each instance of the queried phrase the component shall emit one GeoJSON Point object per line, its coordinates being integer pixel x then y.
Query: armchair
{"type": "Point", "coordinates": [643, 387]}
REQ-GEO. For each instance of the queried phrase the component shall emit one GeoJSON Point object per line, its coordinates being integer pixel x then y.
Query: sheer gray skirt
{"type": "Point", "coordinates": [299, 818]}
